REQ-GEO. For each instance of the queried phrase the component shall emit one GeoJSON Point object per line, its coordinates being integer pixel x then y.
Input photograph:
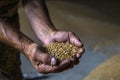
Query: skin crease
{"type": "Point", "coordinates": [37, 14]}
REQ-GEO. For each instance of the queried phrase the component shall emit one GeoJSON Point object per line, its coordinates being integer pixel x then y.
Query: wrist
{"type": "Point", "coordinates": [45, 32]}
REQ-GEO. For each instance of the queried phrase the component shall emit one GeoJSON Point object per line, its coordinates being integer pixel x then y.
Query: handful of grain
{"type": "Point", "coordinates": [62, 50]}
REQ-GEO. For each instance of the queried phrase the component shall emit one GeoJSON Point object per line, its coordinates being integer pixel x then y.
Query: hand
{"type": "Point", "coordinates": [42, 61]}
{"type": "Point", "coordinates": [45, 63]}
{"type": "Point", "coordinates": [63, 36]}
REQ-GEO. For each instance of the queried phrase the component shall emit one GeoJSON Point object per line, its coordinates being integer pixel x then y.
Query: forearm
{"type": "Point", "coordinates": [13, 37]}
{"type": "Point", "coordinates": [37, 13]}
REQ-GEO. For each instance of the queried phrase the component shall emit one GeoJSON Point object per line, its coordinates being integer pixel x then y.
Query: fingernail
{"type": "Point", "coordinates": [53, 61]}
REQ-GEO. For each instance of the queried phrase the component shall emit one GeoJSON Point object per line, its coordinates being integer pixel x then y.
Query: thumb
{"type": "Point", "coordinates": [45, 58]}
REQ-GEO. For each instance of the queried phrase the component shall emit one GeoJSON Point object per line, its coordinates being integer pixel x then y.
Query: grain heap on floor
{"type": "Point", "coordinates": [109, 70]}
{"type": "Point", "coordinates": [62, 50]}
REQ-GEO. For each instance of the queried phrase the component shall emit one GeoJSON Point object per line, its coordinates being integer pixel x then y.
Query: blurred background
{"type": "Point", "coordinates": [96, 23]}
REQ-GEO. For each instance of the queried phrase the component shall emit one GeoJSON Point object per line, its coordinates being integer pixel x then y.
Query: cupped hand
{"type": "Point", "coordinates": [67, 37]}
{"type": "Point", "coordinates": [45, 63]}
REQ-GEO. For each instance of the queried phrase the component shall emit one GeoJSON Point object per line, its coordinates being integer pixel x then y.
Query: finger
{"type": "Point", "coordinates": [65, 65]}
{"type": "Point", "coordinates": [61, 36]}
{"type": "Point", "coordinates": [75, 40]}
{"type": "Point", "coordinates": [80, 52]}
{"type": "Point", "coordinates": [75, 60]}
{"type": "Point", "coordinates": [45, 58]}
{"type": "Point", "coordinates": [43, 68]}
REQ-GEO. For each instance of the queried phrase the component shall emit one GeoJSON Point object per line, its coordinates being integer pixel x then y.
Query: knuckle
{"type": "Point", "coordinates": [54, 69]}
{"type": "Point", "coordinates": [71, 33]}
{"type": "Point", "coordinates": [41, 70]}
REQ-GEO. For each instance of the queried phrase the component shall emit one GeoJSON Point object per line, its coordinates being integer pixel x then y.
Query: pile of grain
{"type": "Point", "coordinates": [109, 70]}
{"type": "Point", "coordinates": [62, 50]}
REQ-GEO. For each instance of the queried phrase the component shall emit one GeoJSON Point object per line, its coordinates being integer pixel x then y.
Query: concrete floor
{"type": "Point", "coordinates": [96, 23]}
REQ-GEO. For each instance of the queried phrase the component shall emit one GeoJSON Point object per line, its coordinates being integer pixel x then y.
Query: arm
{"type": "Point", "coordinates": [38, 16]}
{"type": "Point", "coordinates": [39, 59]}
{"type": "Point", "coordinates": [14, 37]}
{"type": "Point", "coordinates": [37, 13]}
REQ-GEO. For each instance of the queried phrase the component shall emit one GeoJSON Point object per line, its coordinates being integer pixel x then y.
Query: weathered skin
{"type": "Point", "coordinates": [38, 16]}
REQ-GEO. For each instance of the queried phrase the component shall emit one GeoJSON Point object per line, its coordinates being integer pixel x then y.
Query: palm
{"type": "Point", "coordinates": [62, 36]}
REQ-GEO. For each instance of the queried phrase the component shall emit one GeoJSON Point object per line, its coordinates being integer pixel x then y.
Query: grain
{"type": "Point", "coordinates": [61, 50]}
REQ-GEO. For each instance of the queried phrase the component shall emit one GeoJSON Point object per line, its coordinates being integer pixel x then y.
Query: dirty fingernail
{"type": "Point", "coordinates": [53, 61]}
